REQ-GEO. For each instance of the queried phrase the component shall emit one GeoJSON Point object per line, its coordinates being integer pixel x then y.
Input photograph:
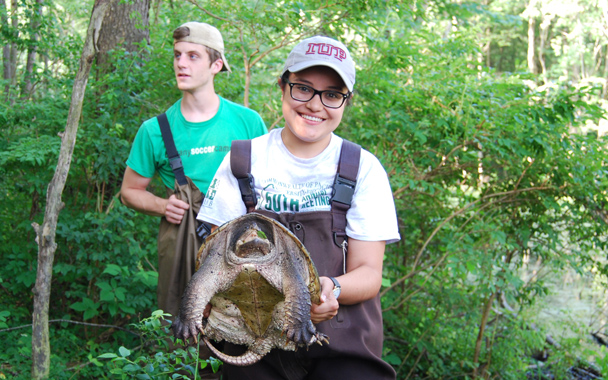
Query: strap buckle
{"type": "Point", "coordinates": [175, 163]}
{"type": "Point", "coordinates": [343, 190]}
{"type": "Point", "coordinates": [246, 187]}
{"type": "Point", "coordinates": [203, 230]}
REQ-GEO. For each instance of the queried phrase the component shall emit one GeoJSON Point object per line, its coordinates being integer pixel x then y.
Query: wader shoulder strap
{"type": "Point", "coordinates": [240, 163]}
{"type": "Point", "coordinates": [174, 159]}
{"type": "Point", "coordinates": [344, 188]}
{"type": "Point", "coordinates": [202, 229]}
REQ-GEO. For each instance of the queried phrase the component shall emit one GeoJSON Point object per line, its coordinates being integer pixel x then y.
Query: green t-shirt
{"type": "Point", "coordinates": [201, 146]}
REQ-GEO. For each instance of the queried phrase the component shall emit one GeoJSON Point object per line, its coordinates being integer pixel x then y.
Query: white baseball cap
{"type": "Point", "coordinates": [322, 51]}
{"type": "Point", "coordinates": [204, 34]}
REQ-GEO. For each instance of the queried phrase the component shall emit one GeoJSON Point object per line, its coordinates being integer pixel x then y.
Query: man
{"type": "Point", "coordinates": [203, 124]}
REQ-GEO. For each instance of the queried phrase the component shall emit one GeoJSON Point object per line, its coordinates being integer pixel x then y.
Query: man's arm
{"type": "Point", "coordinates": [134, 194]}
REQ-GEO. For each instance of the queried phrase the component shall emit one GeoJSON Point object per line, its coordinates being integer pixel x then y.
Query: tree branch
{"type": "Point", "coordinates": [482, 328]}
{"type": "Point", "coordinates": [45, 234]}
{"type": "Point", "coordinates": [448, 219]}
{"type": "Point", "coordinates": [75, 323]}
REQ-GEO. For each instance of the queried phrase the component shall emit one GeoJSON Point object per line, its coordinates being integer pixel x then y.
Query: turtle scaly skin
{"type": "Point", "coordinates": [260, 282]}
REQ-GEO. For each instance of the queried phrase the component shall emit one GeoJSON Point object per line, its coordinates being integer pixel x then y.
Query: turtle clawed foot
{"type": "Point", "coordinates": [304, 334]}
{"type": "Point", "coordinates": [318, 338]}
{"type": "Point", "coordinates": [322, 339]}
{"type": "Point", "coordinates": [186, 329]}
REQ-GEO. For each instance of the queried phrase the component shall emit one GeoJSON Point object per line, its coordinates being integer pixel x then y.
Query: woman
{"type": "Point", "coordinates": [343, 220]}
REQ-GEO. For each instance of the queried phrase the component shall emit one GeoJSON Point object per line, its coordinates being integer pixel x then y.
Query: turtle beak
{"type": "Point", "coordinates": [253, 243]}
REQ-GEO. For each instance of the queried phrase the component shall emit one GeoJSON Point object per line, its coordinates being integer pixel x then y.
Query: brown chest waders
{"type": "Point", "coordinates": [355, 333]}
{"type": "Point", "coordinates": [178, 244]}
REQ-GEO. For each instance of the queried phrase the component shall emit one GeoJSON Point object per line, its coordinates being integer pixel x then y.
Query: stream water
{"type": "Point", "coordinates": [575, 309]}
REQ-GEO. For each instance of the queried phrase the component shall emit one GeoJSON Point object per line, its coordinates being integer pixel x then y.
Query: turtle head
{"type": "Point", "coordinates": [252, 243]}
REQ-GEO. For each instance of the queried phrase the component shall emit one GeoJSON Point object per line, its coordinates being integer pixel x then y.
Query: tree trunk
{"type": "Point", "coordinates": [6, 49]}
{"type": "Point", "coordinates": [14, 51]}
{"type": "Point", "coordinates": [9, 51]}
{"type": "Point", "coordinates": [605, 74]}
{"type": "Point", "coordinates": [486, 48]}
{"type": "Point", "coordinates": [125, 25]}
{"type": "Point", "coordinates": [46, 233]}
{"type": "Point", "coordinates": [482, 327]}
{"type": "Point", "coordinates": [545, 26]}
{"type": "Point", "coordinates": [532, 45]}
{"type": "Point", "coordinates": [31, 53]}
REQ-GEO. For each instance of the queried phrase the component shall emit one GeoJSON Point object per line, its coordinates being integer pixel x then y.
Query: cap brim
{"type": "Point", "coordinates": [225, 67]}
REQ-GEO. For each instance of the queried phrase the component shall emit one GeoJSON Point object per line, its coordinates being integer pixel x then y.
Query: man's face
{"type": "Point", "coordinates": [193, 71]}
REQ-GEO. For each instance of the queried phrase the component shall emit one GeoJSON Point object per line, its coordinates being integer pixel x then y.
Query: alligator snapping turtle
{"type": "Point", "coordinates": [260, 282]}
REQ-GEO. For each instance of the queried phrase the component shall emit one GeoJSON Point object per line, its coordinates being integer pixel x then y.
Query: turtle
{"type": "Point", "coordinates": [260, 281]}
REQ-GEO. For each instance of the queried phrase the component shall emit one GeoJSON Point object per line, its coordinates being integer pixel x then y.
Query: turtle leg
{"type": "Point", "coordinates": [298, 326]}
{"type": "Point", "coordinates": [205, 283]}
{"type": "Point", "coordinates": [317, 337]}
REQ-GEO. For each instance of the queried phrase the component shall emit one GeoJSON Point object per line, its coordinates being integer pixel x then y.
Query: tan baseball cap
{"type": "Point", "coordinates": [322, 51]}
{"type": "Point", "coordinates": [206, 35]}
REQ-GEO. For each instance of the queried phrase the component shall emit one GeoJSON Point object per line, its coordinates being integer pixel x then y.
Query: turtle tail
{"type": "Point", "coordinates": [248, 358]}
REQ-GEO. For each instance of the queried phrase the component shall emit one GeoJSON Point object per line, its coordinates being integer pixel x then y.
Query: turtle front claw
{"type": "Point", "coordinates": [186, 329]}
{"type": "Point", "coordinates": [305, 335]}
{"type": "Point", "coordinates": [318, 338]}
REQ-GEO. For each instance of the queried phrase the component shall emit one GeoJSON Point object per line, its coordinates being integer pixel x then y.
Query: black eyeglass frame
{"type": "Point", "coordinates": [315, 92]}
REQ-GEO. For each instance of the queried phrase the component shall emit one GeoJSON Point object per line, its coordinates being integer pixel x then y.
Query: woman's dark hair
{"type": "Point", "coordinates": [284, 78]}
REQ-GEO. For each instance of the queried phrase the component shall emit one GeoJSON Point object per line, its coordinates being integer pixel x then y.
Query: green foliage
{"type": "Point", "coordinates": [487, 174]}
{"type": "Point", "coordinates": [105, 263]}
{"type": "Point", "coordinates": [160, 362]}
{"type": "Point", "coordinates": [119, 289]}
{"type": "Point", "coordinates": [16, 356]}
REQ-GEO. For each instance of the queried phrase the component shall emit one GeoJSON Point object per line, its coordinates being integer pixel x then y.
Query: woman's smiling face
{"type": "Point", "coordinates": [311, 123]}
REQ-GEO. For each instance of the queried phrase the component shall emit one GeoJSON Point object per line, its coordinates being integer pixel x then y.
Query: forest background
{"type": "Point", "coordinates": [487, 115]}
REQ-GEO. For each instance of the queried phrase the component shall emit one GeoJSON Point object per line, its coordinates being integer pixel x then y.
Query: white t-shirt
{"type": "Point", "coordinates": [286, 183]}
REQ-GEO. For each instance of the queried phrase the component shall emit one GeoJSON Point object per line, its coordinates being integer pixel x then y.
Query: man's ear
{"type": "Point", "coordinates": [216, 66]}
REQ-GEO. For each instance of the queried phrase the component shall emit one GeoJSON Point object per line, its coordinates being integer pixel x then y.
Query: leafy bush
{"type": "Point", "coordinates": [158, 363]}
{"type": "Point", "coordinates": [487, 174]}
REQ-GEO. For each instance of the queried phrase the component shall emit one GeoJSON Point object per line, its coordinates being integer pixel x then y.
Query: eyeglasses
{"type": "Point", "coordinates": [329, 98]}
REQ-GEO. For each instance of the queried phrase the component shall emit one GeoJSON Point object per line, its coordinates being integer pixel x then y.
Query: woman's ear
{"type": "Point", "coordinates": [282, 87]}
{"type": "Point", "coordinates": [350, 99]}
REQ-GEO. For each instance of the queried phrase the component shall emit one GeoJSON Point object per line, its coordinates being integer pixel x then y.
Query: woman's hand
{"type": "Point", "coordinates": [329, 304]}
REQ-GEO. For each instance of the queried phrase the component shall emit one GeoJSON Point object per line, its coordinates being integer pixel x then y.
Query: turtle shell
{"type": "Point", "coordinates": [260, 281]}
